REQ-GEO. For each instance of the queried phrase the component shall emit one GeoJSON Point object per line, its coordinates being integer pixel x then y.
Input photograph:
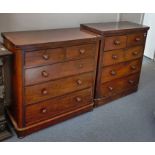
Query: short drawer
{"type": "Point", "coordinates": [122, 55]}
{"type": "Point", "coordinates": [53, 107]}
{"type": "Point", "coordinates": [43, 57]}
{"type": "Point", "coordinates": [55, 88]}
{"type": "Point", "coordinates": [115, 42]}
{"type": "Point", "coordinates": [82, 51]}
{"type": "Point", "coordinates": [117, 86]}
{"type": "Point", "coordinates": [136, 39]}
{"type": "Point", "coordinates": [120, 70]}
{"type": "Point", "coordinates": [56, 71]}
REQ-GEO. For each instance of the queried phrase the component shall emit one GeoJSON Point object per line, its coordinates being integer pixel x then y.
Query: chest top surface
{"type": "Point", "coordinates": [24, 38]}
{"type": "Point", "coordinates": [112, 27]}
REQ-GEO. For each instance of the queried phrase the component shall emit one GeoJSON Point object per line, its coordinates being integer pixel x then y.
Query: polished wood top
{"type": "Point", "coordinates": [112, 27]}
{"type": "Point", "coordinates": [23, 38]}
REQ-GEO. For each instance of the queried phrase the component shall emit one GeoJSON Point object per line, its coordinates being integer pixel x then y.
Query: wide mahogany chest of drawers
{"type": "Point", "coordinates": [53, 76]}
{"type": "Point", "coordinates": [120, 58]}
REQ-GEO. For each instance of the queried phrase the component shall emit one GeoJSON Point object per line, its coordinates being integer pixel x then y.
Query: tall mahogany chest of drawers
{"type": "Point", "coordinates": [120, 58]}
{"type": "Point", "coordinates": [53, 76]}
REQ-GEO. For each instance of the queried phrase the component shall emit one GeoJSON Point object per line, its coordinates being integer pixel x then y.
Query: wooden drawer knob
{"type": "Point", "coordinates": [45, 56]}
{"type": "Point", "coordinates": [135, 53]}
{"type": "Point", "coordinates": [117, 42]}
{"type": "Point", "coordinates": [114, 56]}
{"type": "Point", "coordinates": [110, 88]}
{"type": "Point", "coordinates": [79, 82]}
{"type": "Point", "coordinates": [44, 111]}
{"type": "Point", "coordinates": [78, 99]}
{"type": "Point", "coordinates": [113, 73]}
{"type": "Point", "coordinates": [131, 81]}
{"type": "Point", "coordinates": [80, 66]}
{"type": "Point", "coordinates": [82, 51]}
{"type": "Point", "coordinates": [133, 67]}
{"type": "Point", "coordinates": [44, 74]}
{"type": "Point", "coordinates": [137, 39]}
{"type": "Point", "coordinates": [44, 92]}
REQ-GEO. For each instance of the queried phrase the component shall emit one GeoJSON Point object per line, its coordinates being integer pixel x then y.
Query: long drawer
{"type": "Point", "coordinates": [55, 88]}
{"type": "Point", "coordinates": [119, 85]}
{"type": "Point", "coordinates": [122, 55]}
{"type": "Point", "coordinates": [49, 108]}
{"type": "Point", "coordinates": [56, 71]}
{"type": "Point", "coordinates": [51, 56]}
{"type": "Point", "coordinates": [120, 70]}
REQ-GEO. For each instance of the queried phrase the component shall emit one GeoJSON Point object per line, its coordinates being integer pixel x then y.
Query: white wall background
{"type": "Point", "coordinates": [133, 17]}
{"type": "Point", "coordinates": [149, 19]}
{"type": "Point", "coordinates": [32, 21]}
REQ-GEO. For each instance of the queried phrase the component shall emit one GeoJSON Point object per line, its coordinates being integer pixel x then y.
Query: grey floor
{"type": "Point", "coordinates": [131, 118]}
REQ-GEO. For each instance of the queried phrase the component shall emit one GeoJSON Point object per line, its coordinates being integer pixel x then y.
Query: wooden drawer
{"type": "Point", "coordinates": [136, 39]}
{"type": "Point", "coordinates": [115, 42]}
{"type": "Point", "coordinates": [122, 55]}
{"type": "Point", "coordinates": [55, 88]}
{"type": "Point", "coordinates": [43, 57]}
{"type": "Point", "coordinates": [113, 57]}
{"type": "Point", "coordinates": [82, 51]}
{"type": "Point", "coordinates": [134, 53]}
{"type": "Point", "coordinates": [120, 70]}
{"type": "Point", "coordinates": [117, 86]}
{"type": "Point", "coordinates": [49, 108]}
{"type": "Point", "coordinates": [55, 71]}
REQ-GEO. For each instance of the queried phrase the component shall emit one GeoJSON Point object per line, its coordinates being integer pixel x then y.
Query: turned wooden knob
{"type": "Point", "coordinates": [82, 51]}
{"type": "Point", "coordinates": [44, 74]}
{"type": "Point", "coordinates": [80, 66]}
{"type": "Point", "coordinates": [110, 88]}
{"type": "Point", "coordinates": [44, 91]}
{"type": "Point", "coordinates": [44, 110]}
{"type": "Point", "coordinates": [45, 56]}
{"type": "Point", "coordinates": [117, 42]}
{"type": "Point", "coordinates": [114, 56]}
{"type": "Point", "coordinates": [131, 81]}
{"type": "Point", "coordinates": [78, 99]}
{"type": "Point", "coordinates": [133, 67]}
{"type": "Point", "coordinates": [113, 72]}
{"type": "Point", "coordinates": [79, 82]}
{"type": "Point", "coordinates": [135, 53]}
{"type": "Point", "coordinates": [137, 39]}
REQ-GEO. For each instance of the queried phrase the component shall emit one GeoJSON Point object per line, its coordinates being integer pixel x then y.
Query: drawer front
{"type": "Point", "coordinates": [55, 88]}
{"type": "Point", "coordinates": [51, 72]}
{"type": "Point", "coordinates": [43, 57]}
{"type": "Point", "coordinates": [122, 55]}
{"type": "Point", "coordinates": [120, 70]}
{"type": "Point", "coordinates": [82, 51]}
{"type": "Point", "coordinates": [49, 108]}
{"type": "Point", "coordinates": [134, 53]}
{"type": "Point", "coordinates": [115, 42]}
{"type": "Point", "coordinates": [117, 86]}
{"type": "Point", "coordinates": [113, 57]}
{"type": "Point", "coordinates": [136, 39]}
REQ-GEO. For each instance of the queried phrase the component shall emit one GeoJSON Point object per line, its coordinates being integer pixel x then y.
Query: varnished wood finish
{"type": "Point", "coordinates": [121, 51]}
{"type": "Point", "coordinates": [60, 87]}
{"type": "Point", "coordinates": [59, 70]}
{"type": "Point", "coordinates": [117, 56]}
{"type": "Point", "coordinates": [56, 72]}
{"type": "Point", "coordinates": [44, 57]}
{"type": "Point", "coordinates": [119, 85]}
{"type": "Point", "coordinates": [120, 70]}
{"type": "Point", "coordinates": [115, 42]}
{"type": "Point", "coordinates": [50, 108]}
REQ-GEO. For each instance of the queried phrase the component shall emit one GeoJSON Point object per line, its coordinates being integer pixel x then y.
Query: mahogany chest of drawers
{"type": "Point", "coordinates": [53, 76]}
{"type": "Point", "coordinates": [120, 58]}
